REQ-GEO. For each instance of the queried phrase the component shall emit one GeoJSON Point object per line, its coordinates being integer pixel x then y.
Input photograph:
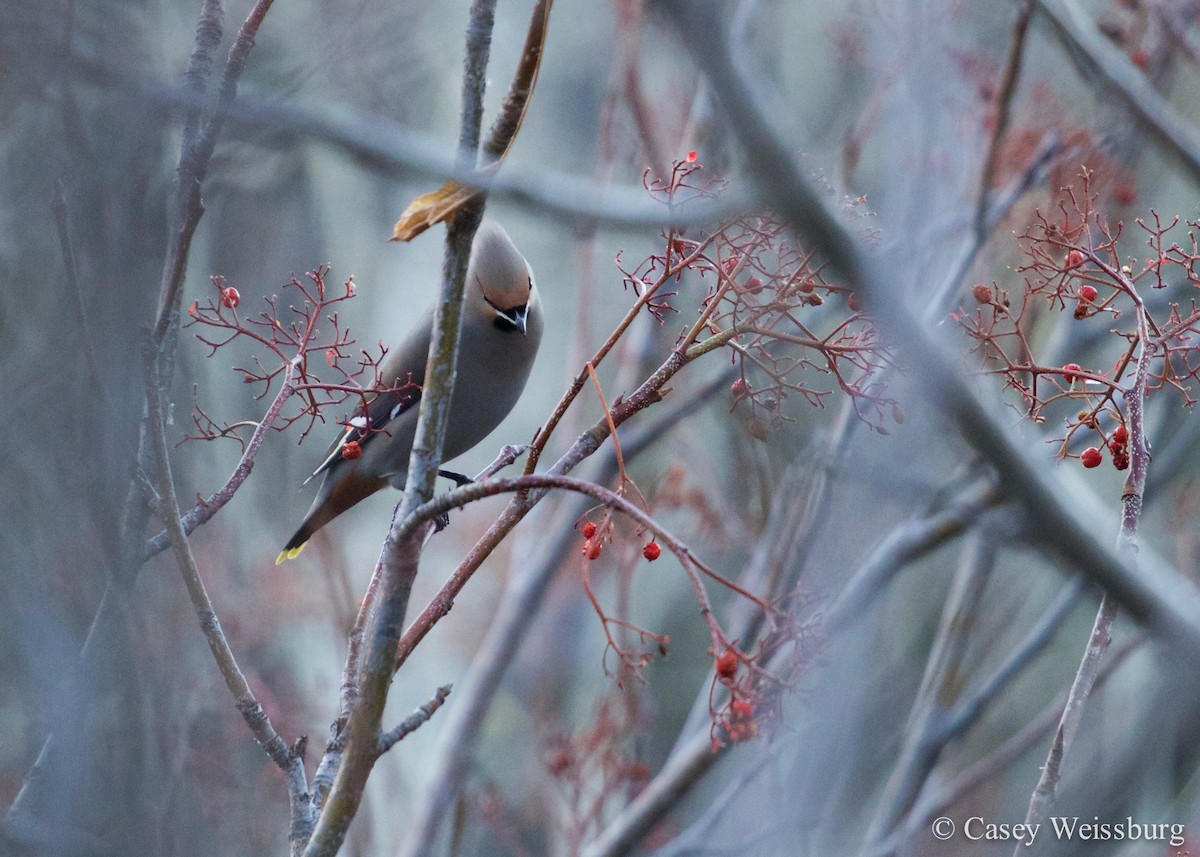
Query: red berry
{"type": "Point", "coordinates": [739, 389]}
{"type": "Point", "coordinates": [741, 709]}
{"type": "Point", "coordinates": [561, 762]}
{"type": "Point", "coordinates": [1091, 457]}
{"type": "Point", "coordinates": [754, 285]}
{"type": "Point", "coordinates": [727, 664]}
{"type": "Point", "coordinates": [1087, 293]}
{"type": "Point", "coordinates": [636, 772]}
{"type": "Point", "coordinates": [1069, 373]}
{"type": "Point", "coordinates": [854, 302]}
{"type": "Point", "coordinates": [1125, 194]}
{"type": "Point", "coordinates": [651, 551]}
{"type": "Point", "coordinates": [591, 548]}
{"type": "Point", "coordinates": [1120, 434]}
{"type": "Point", "coordinates": [729, 265]}
{"type": "Point", "coordinates": [983, 293]}
{"type": "Point", "coordinates": [1140, 58]}
{"type": "Point", "coordinates": [807, 286]}
{"type": "Point", "coordinates": [351, 450]}
{"type": "Point", "coordinates": [192, 309]}
{"type": "Point", "coordinates": [691, 156]}
{"type": "Point", "coordinates": [1121, 460]}
{"type": "Point", "coordinates": [1074, 259]}
{"type": "Point", "coordinates": [230, 297]}
{"type": "Point", "coordinates": [589, 530]}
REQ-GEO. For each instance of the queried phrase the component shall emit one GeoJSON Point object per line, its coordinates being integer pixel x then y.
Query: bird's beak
{"type": "Point", "coordinates": [519, 317]}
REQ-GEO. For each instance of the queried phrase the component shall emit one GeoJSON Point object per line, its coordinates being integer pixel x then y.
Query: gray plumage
{"type": "Point", "coordinates": [501, 332]}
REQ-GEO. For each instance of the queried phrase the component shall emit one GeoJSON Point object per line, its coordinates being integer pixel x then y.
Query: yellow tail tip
{"type": "Point", "coordinates": [289, 554]}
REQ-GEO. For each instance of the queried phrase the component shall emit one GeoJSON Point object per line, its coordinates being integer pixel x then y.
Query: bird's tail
{"type": "Point", "coordinates": [298, 540]}
{"type": "Point", "coordinates": [290, 552]}
{"type": "Point", "coordinates": [333, 499]}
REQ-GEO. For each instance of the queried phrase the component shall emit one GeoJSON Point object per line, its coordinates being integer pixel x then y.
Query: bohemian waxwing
{"type": "Point", "coordinates": [501, 331]}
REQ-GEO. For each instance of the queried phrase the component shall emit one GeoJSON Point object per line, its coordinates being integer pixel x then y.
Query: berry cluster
{"type": "Point", "coordinates": [592, 546]}
{"type": "Point", "coordinates": [1129, 320]}
{"type": "Point", "coordinates": [291, 335]}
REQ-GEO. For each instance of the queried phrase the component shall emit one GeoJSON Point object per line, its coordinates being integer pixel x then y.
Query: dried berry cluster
{"type": "Point", "coordinates": [593, 769]}
{"type": "Point", "coordinates": [755, 681]}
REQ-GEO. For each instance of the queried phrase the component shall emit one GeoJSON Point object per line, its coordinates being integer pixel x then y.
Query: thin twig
{"type": "Point", "coordinates": [414, 721]}
{"type": "Point", "coordinates": [1002, 109]}
{"type": "Point", "coordinates": [612, 428]}
{"type": "Point", "coordinates": [204, 510]}
{"type": "Point", "coordinates": [1155, 597]}
{"type": "Point", "coordinates": [58, 205]}
{"type": "Point", "coordinates": [1100, 61]}
{"type": "Point", "coordinates": [906, 542]}
{"type": "Point", "coordinates": [521, 600]}
{"type": "Point", "coordinates": [247, 703]}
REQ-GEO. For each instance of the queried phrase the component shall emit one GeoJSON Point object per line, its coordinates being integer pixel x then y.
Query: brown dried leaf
{"type": "Point", "coordinates": [431, 208]}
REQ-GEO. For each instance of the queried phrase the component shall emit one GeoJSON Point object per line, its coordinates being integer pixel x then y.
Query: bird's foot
{"type": "Point", "coordinates": [443, 520]}
{"type": "Point", "coordinates": [459, 479]}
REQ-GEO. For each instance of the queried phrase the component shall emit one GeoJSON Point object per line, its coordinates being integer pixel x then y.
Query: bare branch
{"type": "Point", "coordinates": [1157, 599]}
{"type": "Point", "coordinates": [414, 721]}
{"type": "Point", "coordinates": [1099, 60]}
{"type": "Point", "coordinates": [392, 148]}
{"type": "Point", "coordinates": [521, 600]}
{"type": "Point", "coordinates": [401, 552]}
{"type": "Point", "coordinates": [682, 771]}
{"type": "Point", "coordinates": [58, 205]}
{"type": "Point", "coordinates": [248, 705]}
{"type": "Point", "coordinates": [906, 542]}
{"type": "Point", "coordinates": [204, 510]}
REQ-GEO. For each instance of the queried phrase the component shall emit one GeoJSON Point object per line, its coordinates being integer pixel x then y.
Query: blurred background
{"type": "Point", "coordinates": [889, 101]}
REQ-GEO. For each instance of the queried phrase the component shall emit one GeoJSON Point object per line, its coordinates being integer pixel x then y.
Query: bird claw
{"type": "Point", "coordinates": [443, 520]}
{"type": "Point", "coordinates": [458, 478]}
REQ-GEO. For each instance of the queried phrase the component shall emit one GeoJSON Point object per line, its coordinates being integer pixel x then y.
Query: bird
{"type": "Point", "coordinates": [501, 330]}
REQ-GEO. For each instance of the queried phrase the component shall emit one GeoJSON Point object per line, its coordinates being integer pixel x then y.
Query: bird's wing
{"type": "Point", "coordinates": [364, 428]}
{"type": "Point", "coordinates": [404, 372]}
